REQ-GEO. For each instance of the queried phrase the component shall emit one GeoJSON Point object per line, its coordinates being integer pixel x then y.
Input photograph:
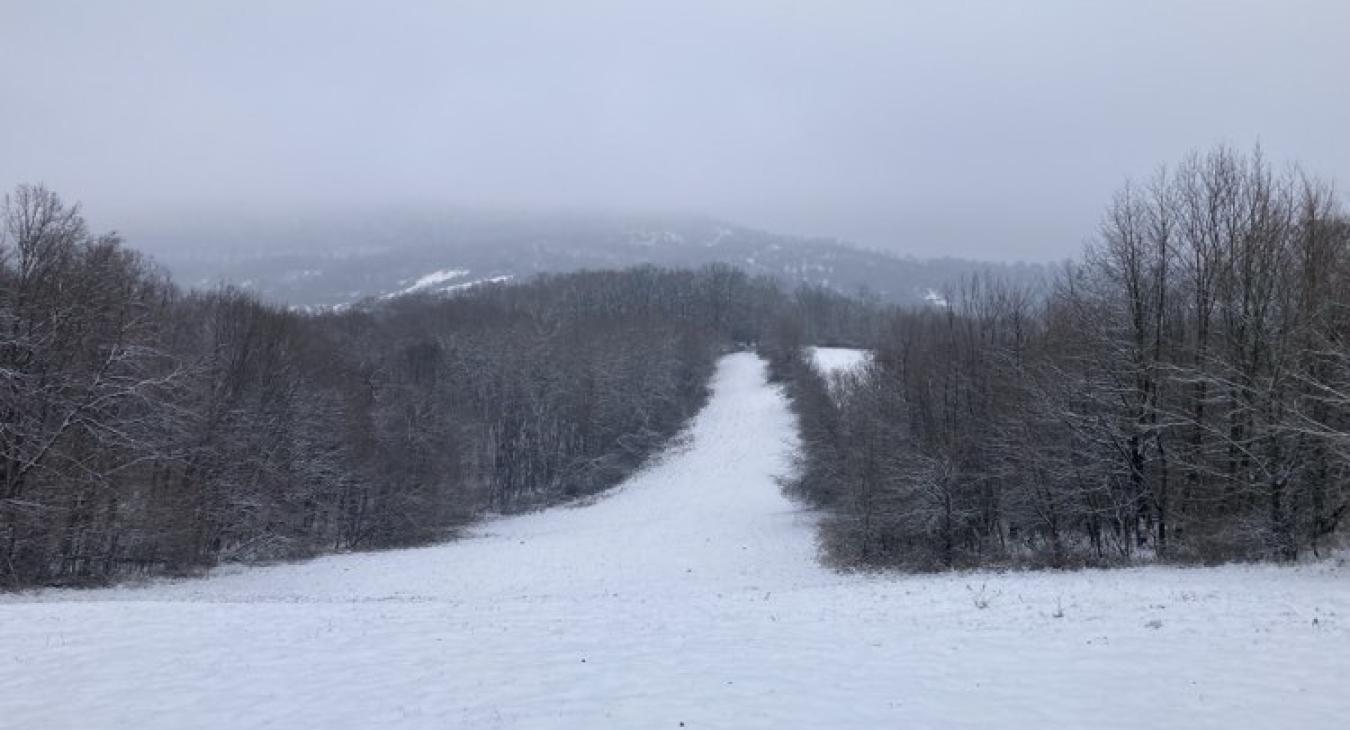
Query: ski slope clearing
{"type": "Point", "coordinates": [690, 596]}
{"type": "Point", "coordinates": [830, 360]}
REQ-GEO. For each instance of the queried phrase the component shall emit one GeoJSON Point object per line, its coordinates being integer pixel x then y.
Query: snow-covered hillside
{"type": "Point", "coordinates": [341, 259]}
{"type": "Point", "coordinates": [688, 597]}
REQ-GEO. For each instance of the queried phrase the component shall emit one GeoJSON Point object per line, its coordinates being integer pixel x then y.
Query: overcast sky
{"type": "Point", "coordinates": [982, 129]}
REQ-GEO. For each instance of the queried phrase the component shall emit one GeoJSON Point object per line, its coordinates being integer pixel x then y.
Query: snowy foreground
{"type": "Point", "coordinates": [689, 596]}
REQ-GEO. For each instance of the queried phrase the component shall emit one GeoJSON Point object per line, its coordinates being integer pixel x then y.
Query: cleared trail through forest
{"type": "Point", "coordinates": [691, 594]}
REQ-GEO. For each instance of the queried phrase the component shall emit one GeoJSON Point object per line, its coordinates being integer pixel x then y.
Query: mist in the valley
{"type": "Point", "coordinates": [987, 130]}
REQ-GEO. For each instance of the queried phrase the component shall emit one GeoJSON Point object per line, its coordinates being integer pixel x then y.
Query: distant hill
{"type": "Point", "coordinates": [340, 261]}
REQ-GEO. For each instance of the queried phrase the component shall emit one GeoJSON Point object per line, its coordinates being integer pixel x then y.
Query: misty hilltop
{"type": "Point", "coordinates": [341, 260]}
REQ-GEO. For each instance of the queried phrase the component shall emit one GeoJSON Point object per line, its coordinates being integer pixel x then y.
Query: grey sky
{"type": "Point", "coordinates": [990, 129]}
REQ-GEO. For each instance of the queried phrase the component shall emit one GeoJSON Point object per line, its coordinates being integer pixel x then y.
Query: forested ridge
{"type": "Point", "coordinates": [147, 430]}
{"type": "Point", "coordinates": [1182, 392]}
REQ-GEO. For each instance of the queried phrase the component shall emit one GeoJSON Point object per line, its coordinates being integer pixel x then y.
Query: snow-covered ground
{"type": "Point", "coordinates": [689, 597]}
{"type": "Point", "coordinates": [830, 360]}
{"type": "Point", "coordinates": [435, 282]}
{"type": "Point", "coordinates": [427, 282]}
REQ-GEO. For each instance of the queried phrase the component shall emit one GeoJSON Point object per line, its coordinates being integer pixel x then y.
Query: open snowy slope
{"type": "Point", "coordinates": [689, 596]}
{"type": "Point", "coordinates": [830, 360]}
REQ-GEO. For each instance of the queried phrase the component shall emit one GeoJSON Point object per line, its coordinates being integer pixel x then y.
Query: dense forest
{"type": "Point", "coordinates": [1181, 393]}
{"type": "Point", "coordinates": [148, 430]}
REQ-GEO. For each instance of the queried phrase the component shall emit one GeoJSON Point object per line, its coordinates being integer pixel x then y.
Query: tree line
{"type": "Point", "coordinates": [1181, 392]}
{"type": "Point", "coordinates": [149, 430]}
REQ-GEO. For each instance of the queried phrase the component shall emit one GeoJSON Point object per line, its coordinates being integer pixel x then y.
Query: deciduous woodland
{"type": "Point", "coordinates": [1182, 393]}
{"type": "Point", "coordinates": [148, 430]}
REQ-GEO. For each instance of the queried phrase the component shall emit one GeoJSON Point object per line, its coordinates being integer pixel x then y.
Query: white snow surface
{"type": "Point", "coordinates": [428, 281]}
{"type": "Point", "coordinates": [431, 283]}
{"type": "Point", "coordinates": [831, 360]}
{"type": "Point", "coordinates": [690, 595]}
{"type": "Point", "coordinates": [479, 282]}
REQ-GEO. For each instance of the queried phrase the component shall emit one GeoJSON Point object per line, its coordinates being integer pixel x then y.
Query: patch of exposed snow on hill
{"type": "Point", "coordinates": [830, 360]}
{"type": "Point", "coordinates": [431, 283]}
{"type": "Point", "coordinates": [480, 282]}
{"type": "Point", "coordinates": [428, 281]}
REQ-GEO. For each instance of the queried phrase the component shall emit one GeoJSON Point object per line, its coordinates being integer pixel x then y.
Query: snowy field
{"type": "Point", "coordinates": [689, 597]}
{"type": "Point", "coordinates": [829, 360]}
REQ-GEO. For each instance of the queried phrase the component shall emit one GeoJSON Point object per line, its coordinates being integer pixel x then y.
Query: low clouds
{"type": "Point", "coordinates": [992, 129]}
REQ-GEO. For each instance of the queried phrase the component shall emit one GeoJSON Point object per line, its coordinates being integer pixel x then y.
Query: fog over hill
{"type": "Point", "coordinates": [326, 261]}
